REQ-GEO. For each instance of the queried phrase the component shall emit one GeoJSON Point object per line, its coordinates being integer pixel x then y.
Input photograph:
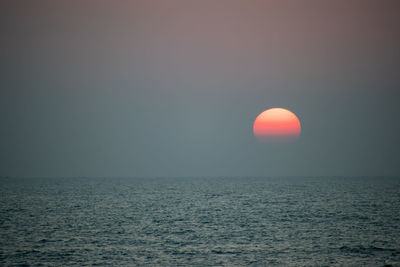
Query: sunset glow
{"type": "Point", "coordinates": [276, 124]}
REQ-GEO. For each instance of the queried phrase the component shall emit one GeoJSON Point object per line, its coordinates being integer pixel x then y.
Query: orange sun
{"type": "Point", "coordinates": [276, 124]}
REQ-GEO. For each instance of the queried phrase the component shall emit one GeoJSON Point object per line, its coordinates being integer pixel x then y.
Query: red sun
{"type": "Point", "coordinates": [276, 124]}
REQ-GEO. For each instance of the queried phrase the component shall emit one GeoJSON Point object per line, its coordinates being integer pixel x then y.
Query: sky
{"type": "Point", "coordinates": [172, 87]}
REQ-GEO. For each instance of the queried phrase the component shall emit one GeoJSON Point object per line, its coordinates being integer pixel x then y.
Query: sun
{"type": "Point", "coordinates": [277, 125]}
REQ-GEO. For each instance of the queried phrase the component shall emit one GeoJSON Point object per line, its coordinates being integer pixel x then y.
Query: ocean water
{"type": "Point", "coordinates": [294, 221]}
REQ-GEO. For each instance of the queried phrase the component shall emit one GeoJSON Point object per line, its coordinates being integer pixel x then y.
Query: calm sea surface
{"type": "Point", "coordinates": [294, 221]}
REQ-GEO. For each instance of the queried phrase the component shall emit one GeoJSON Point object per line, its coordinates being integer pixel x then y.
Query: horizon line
{"type": "Point", "coordinates": [198, 176]}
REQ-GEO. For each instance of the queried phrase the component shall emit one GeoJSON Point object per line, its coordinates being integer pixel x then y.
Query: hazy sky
{"type": "Point", "coordinates": [171, 88]}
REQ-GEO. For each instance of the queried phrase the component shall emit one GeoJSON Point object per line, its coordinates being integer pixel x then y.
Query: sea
{"type": "Point", "coordinates": [203, 221]}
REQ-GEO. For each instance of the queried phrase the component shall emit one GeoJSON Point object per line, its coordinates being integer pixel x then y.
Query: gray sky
{"type": "Point", "coordinates": [171, 88]}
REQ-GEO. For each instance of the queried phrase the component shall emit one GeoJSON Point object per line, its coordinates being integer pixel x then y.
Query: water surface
{"type": "Point", "coordinates": [292, 221]}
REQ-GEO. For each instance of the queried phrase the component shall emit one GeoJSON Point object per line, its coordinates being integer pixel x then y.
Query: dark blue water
{"type": "Point", "coordinates": [200, 222]}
